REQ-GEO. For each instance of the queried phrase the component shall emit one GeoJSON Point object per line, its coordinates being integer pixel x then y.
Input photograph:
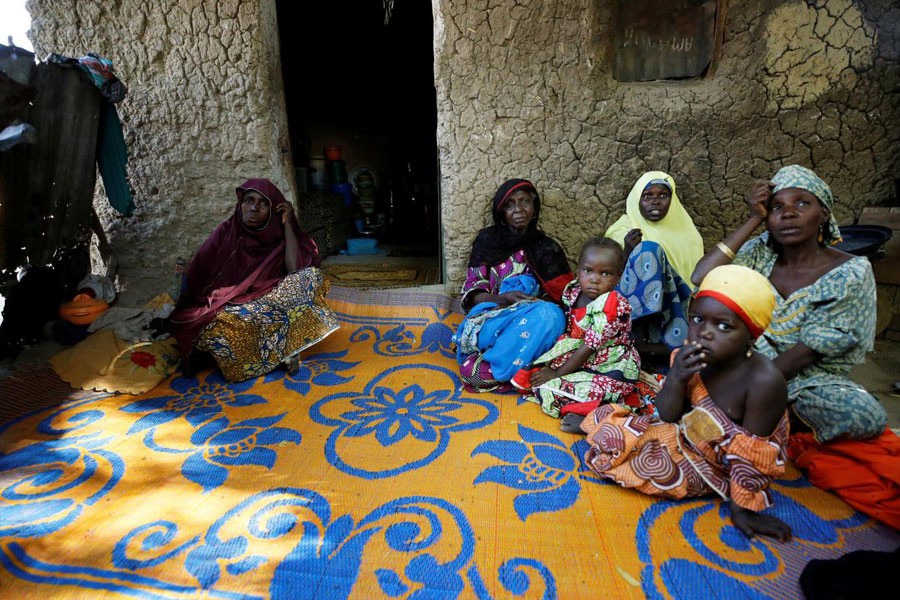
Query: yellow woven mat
{"type": "Point", "coordinates": [383, 276]}
{"type": "Point", "coordinates": [368, 474]}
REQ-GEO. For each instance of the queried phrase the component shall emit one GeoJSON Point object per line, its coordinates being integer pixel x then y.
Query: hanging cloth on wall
{"type": "Point", "coordinates": [112, 156]}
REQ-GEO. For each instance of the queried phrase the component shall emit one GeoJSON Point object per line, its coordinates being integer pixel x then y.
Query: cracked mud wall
{"type": "Point", "coordinates": [525, 90]}
{"type": "Point", "coordinates": [204, 112]}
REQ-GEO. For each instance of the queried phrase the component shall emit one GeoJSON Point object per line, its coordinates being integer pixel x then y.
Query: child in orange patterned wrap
{"type": "Point", "coordinates": [722, 423]}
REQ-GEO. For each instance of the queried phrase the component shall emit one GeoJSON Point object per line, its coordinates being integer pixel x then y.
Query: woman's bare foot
{"type": "Point", "coordinates": [292, 364]}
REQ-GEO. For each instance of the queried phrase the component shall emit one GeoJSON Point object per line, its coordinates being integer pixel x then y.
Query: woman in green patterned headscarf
{"type": "Point", "coordinates": [824, 320]}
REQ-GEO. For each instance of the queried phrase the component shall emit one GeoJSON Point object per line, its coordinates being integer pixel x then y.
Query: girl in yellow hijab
{"type": "Point", "coordinates": [663, 247]}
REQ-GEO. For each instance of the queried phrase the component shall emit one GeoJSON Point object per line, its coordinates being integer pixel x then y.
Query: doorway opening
{"type": "Point", "coordinates": [362, 115]}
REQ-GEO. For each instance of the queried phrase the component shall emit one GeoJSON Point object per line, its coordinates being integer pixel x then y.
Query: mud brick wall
{"type": "Point", "coordinates": [525, 89]}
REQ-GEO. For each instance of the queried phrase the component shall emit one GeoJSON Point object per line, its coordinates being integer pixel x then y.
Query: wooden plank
{"type": "Point", "coordinates": [881, 215]}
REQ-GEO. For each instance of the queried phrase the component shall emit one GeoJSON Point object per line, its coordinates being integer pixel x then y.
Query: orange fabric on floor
{"type": "Point", "coordinates": [865, 474]}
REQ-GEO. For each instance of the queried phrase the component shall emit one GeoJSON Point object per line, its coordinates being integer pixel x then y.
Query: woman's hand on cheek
{"type": "Point", "coordinates": [758, 198]}
{"type": "Point", "coordinates": [286, 210]}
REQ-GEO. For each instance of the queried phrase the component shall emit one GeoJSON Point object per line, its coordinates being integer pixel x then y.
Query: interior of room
{"type": "Point", "coordinates": [361, 104]}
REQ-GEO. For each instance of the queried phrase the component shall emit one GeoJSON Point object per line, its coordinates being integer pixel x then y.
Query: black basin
{"type": "Point", "coordinates": [863, 240]}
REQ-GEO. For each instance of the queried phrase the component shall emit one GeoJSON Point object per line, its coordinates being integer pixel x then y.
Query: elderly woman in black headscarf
{"type": "Point", "coordinates": [512, 266]}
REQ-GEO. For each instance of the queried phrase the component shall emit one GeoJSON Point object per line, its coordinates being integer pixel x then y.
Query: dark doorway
{"type": "Point", "coordinates": [366, 86]}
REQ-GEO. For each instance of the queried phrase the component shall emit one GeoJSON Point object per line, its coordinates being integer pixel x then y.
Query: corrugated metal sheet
{"type": "Point", "coordinates": [47, 188]}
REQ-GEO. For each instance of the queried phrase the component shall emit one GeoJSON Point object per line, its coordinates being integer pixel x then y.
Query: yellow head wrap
{"type": "Point", "coordinates": [675, 232]}
{"type": "Point", "coordinates": [745, 292]}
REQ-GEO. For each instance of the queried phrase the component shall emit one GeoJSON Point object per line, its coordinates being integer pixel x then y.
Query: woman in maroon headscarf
{"type": "Point", "coordinates": [254, 295]}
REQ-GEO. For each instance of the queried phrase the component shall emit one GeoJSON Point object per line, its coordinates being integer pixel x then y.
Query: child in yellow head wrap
{"type": "Point", "coordinates": [747, 293]}
{"type": "Point", "coordinates": [723, 409]}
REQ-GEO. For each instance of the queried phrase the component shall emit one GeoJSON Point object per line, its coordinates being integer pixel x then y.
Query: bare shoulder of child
{"type": "Point", "coordinates": [753, 394]}
{"type": "Point", "coordinates": [766, 396]}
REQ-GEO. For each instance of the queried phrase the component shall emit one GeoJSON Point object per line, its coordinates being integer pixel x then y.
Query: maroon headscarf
{"type": "Point", "coordinates": [237, 264]}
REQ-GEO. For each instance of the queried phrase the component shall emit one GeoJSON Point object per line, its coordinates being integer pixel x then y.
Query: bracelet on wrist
{"type": "Point", "coordinates": [726, 250]}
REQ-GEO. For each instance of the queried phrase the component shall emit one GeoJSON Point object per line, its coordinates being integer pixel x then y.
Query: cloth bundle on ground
{"type": "Point", "coordinates": [132, 364]}
{"type": "Point", "coordinates": [133, 324]}
{"type": "Point", "coordinates": [866, 474]}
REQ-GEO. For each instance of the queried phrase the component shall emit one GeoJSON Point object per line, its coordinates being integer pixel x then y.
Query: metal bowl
{"type": "Point", "coordinates": [863, 240]}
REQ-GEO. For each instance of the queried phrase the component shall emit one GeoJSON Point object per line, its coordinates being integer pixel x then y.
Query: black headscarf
{"type": "Point", "coordinates": [498, 242]}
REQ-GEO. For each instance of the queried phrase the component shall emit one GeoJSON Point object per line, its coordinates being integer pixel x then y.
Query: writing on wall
{"type": "Point", "coordinates": [664, 40]}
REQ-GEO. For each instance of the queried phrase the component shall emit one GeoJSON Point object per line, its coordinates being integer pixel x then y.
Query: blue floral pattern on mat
{"type": "Point", "coordinates": [195, 401]}
{"type": "Point", "coordinates": [217, 444]}
{"type": "Point", "coordinates": [540, 465]}
{"type": "Point", "coordinates": [221, 445]}
{"type": "Point", "coordinates": [318, 369]}
{"type": "Point", "coordinates": [393, 409]}
{"type": "Point", "coordinates": [429, 545]}
{"type": "Point", "coordinates": [400, 339]}
{"type": "Point", "coordinates": [46, 485]}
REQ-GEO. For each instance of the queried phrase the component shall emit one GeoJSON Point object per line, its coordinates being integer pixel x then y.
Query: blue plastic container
{"type": "Point", "coordinates": [362, 246]}
{"type": "Point", "coordinates": [345, 190]}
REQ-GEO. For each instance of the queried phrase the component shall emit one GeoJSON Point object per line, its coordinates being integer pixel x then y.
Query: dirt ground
{"type": "Point", "coordinates": [879, 374]}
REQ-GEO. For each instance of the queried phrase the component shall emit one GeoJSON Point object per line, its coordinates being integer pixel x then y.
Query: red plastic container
{"type": "Point", "coordinates": [333, 153]}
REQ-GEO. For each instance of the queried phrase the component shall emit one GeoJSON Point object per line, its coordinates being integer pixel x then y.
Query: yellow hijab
{"type": "Point", "coordinates": [675, 232]}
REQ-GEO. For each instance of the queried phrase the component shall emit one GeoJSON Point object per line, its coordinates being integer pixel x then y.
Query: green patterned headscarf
{"type": "Point", "coordinates": [805, 179]}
